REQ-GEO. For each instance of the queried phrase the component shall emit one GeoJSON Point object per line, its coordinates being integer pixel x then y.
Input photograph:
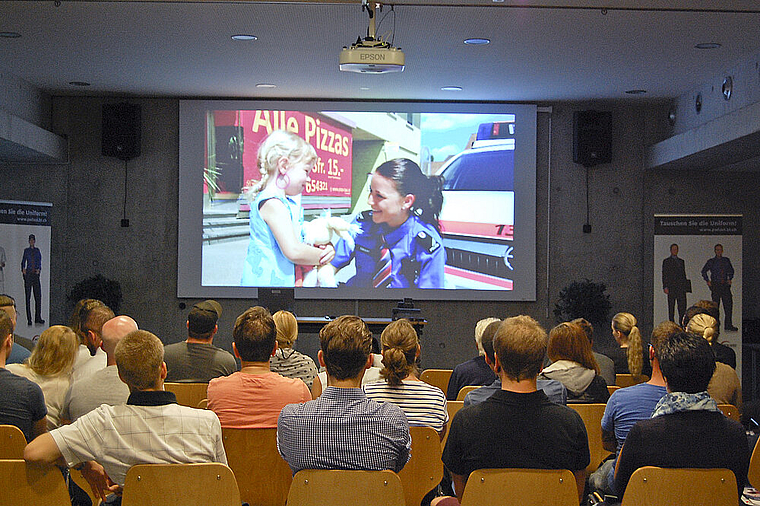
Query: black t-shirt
{"type": "Point", "coordinates": [21, 402]}
{"type": "Point", "coordinates": [515, 430]}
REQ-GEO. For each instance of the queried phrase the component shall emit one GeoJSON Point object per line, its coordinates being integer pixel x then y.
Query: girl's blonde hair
{"type": "Point", "coordinates": [55, 352]}
{"type": "Point", "coordinates": [704, 325]}
{"type": "Point", "coordinates": [287, 328]}
{"type": "Point", "coordinates": [626, 324]}
{"type": "Point", "coordinates": [399, 341]}
{"type": "Point", "coordinates": [278, 144]}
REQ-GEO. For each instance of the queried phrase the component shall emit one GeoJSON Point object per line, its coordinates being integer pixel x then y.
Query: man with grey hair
{"type": "Point", "coordinates": [475, 371]}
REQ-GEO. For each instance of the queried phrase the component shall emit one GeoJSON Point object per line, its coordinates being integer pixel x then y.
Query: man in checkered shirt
{"type": "Point", "coordinates": [151, 428]}
{"type": "Point", "coordinates": [342, 429]}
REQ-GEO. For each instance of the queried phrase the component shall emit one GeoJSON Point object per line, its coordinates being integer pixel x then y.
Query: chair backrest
{"type": "Point", "coordinates": [180, 485]}
{"type": "Point", "coordinates": [22, 484]}
{"type": "Point", "coordinates": [730, 411]}
{"type": "Point", "coordinates": [452, 407]}
{"type": "Point", "coordinates": [203, 404]}
{"type": "Point", "coordinates": [12, 442]}
{"type": "Point", "coordinates": [424, 470]}
{"type": "Point", "coordinates": [319, 487]}
{"type": "Point", "coordinates": [263, 476]}
{"type": "Point", "coordinates": [437, 377]}
{"type": "Point", "coordinates": [188, 394]}
{"type": "Point", "coordinates": [592, 419]}
{"type": "Point", "coordinates": [654, 486]}
{"type": "Point", "coordinates": [753, 473]}
{"type": "Point", "coordinates": [628, 380]}
{"type": "Point", "coordinates": [518, 487]}
{"type": "Point", "coordinates": [612, 388]}
{"type": "Point", "coordinates": [466, 390]}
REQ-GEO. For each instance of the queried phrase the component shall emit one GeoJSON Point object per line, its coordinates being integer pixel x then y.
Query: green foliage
{"type": "Point", "coordinates": [583, 299]}
{"type": "Point", "coordinates": [97, 287]}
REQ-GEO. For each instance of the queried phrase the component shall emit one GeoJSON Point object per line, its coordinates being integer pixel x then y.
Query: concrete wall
{"type": "Point", "coordinates": [21, 99]}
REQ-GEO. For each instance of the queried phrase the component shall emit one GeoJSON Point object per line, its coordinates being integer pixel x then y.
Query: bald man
{"type": "Point", "coordinates": [102, 386]}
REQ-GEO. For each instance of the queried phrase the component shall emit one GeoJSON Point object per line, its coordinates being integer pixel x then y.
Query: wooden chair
{"type": "Point", "coordinates": [203, 404]}
{"type": "Point", "coordinates": [451, 407]}
{"type": "Point", "coordinates": [188, 394]}
{"type": "Point", "coordinates": [730, 411]}
{"type": "Point", "coordinates": [753, 473]}
{"type": "Point", "coordinates": [437, 377]}
{"type": "Point", "coordinates": [466, 390]}
{"type": "Point", "coordinates": [612, 388]}
{"type": "Point", "coordinates": [424, 470]}
{"type": "Point", "coordinates": [22, 484]}
{"type": "Point", "coordinates": [655, 486]}
{"type": "Point", "coordinates": [628, 380]}
{"type": "Point", "coordinates": [592, 419]}
{"type": "Point", "coordinates": [319, 487]}
{"type": "Point", "coordinates": [518, 487]}
{"type": "Point", "coordinates": [263, 476]}
{"type": "Point", "coordinates": [12, 442]}
{"type": "Point", "coordinates": [180, 485]}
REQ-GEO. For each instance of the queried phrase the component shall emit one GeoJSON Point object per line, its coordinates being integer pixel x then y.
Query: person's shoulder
{"type": "Point", "coordinates": [10, 379]}
{"type": "Point", "coordinates": [175, 348]}
{"type": "Point", "coordinates": [426, 236]}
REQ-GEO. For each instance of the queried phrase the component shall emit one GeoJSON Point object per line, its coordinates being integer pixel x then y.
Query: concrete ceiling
{"type": "Point", "coordinates": [540, 51]}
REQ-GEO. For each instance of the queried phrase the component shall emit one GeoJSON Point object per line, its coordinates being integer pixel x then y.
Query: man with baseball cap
{"type": "Point", "coordinates": [197, 359]}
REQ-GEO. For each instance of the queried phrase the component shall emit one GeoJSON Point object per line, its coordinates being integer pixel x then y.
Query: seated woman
{"type": "Point", "coordinates": [286, 361]}
{"type": "Point", "coordinates": [50, 366]}
{"type": "Point", "coordinates": [627, 335]}
{"type": "Point", "coordinates": [574, 365]}
{"type": "Point", "coordinates": [423, 404]}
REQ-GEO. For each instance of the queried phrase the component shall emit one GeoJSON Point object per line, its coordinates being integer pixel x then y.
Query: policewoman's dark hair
{"type": "Point", "coordinates": [409, 179]}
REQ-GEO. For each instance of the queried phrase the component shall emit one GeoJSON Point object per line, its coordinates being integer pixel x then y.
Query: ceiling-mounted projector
{"type": "Point", "coordinates": [369, 55]}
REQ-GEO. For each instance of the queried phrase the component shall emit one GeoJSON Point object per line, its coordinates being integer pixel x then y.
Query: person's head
{"type": "Point", "coordinates": [674, 249]}
{"type": "Point", "coordinates": [687, 362]}
{"type": "Point", "coordinates": [567, 341]}
{"type": "Point", "coordinates": [202, 318]}
{"type": "Point", "coordinates": [114, 330]}
{"type": "Point", "coordinates": [140, 360]}
{"type": "Point", "coordinates": [287, 328]}
{"type": "Point", "coordinates": [8, 305]}
{"type": "Point", "coordinates": [6, 335]}
{"type": "Point", "coordinates": [398, 188]}
{"type": "Point", "coordinates": [91, 326]}
{"type": "Point", "coordinates": [627, 335]}
{"type": "Point", "coordinates": [32, 240]}
{"type": "Point", "coordinates": [401, 347]}
{"type": "Point", "coordinates": [707, 307]}
{"type": "Point", "coordinates": [519, 347]}
{"type": "Point", "coordinates": [587, 328]}
{"type": "Point", "coordinates": [705, 326]}
{"type": "Point", "coordinates": [345, 347]}
{"type": "Point", "coordinates": [79, 315]}
{"type": "Point", "coordinates": [255, 335]}
{"type": "Point", "coordinates": [285, 158]}
{"type": "Point", "coordinates": [55, 351]}
{"type": "Point", "coordinates": [660, 333]}
{"type": "Point", "coordinates": [486, 339]}
{"type": "Point", "coordinates": [480, 327]}
{"type": "Point", "coordinates": [718, 250]}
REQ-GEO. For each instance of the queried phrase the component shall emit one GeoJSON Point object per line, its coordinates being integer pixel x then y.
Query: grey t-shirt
{"type": "Point", "coordinates": [199, 362]}
{"type": "Point", "coordinates": [101, 387]}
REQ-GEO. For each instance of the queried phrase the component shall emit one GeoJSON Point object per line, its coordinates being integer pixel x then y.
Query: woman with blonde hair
{"type": "Point", "coordinates": [423, 404]}
{"type": "Point", "coordinates": [707, 326]}
{"type": "Point", "coordinates": [628, 336]}
{"type": "Point", "coordinates": [287, 361]}
{"type": "Point", "coordinates": [50, 366]}
{"type": "Point", "coordinates": [574, 365]}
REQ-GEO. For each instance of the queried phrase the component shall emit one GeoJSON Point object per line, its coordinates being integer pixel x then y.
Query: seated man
{"type": "Point", "coordinates": [627, 406]}
{"type": "Point", "coordinates": [475, 371]}
{"type": "Point", "coordinates": [686, 429]}
{"type": "Point", "coordinates": [151, 428]}
{"type": "Point", "coordinates": [196, 358]}
{"type": "Point", "coordinates": [554, 390]}
{"type": "Point", "coordinates": [342, 429]}
{"type": "Point", "coordinates": [254, 396]}
{"type": "Point", "coordinates": [518, 426]}
{"type": "Point", "coordinates": [91, 357]}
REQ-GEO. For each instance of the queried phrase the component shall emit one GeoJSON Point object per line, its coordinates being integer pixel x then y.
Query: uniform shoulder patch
{"type": "Point", "coordinates": [364, 216]}
{"type": "Point", "coordinates": [427, 242]}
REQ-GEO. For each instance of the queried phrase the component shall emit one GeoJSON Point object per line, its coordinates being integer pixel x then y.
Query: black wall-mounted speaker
{"type": "Point", "coordinates": [592, 137]}
{"type": "Point", "coordinates": [121, 130]}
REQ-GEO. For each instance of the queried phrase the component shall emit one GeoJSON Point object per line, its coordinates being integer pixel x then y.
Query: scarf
{"type": "Point", "coordinates": [676, 402]}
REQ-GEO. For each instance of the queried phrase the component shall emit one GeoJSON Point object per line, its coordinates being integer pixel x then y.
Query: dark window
{"type": "Point", "coordinates": [481, 171]}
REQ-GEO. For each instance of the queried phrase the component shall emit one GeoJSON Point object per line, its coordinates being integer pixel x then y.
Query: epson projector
{"type": "Point", "coordinates": [371, 60]}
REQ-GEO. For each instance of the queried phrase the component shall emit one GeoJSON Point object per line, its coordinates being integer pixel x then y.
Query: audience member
{"type": "Point", "coordinates": [254, 396]}
{"type": "Point", "coordinates": [8, 304]}
{"type": "Point", "coordinates": [686, 429]}
{"type": "Point", "coordinates": [627, 335]}
{"type": "Point", "coordinates": [517, 427]}
{"type": "Point", "coordinates": [151, 428]}
{"type": "Point", "coordinates": [103, 386]}
{"type": "Point", "coordinates": [573, 365]}
{"type": "Point", "coordinates": [627, 406]}
{"type": "Point", "coordinates": [18, 352]}
{"type": "Point", "coordinates": [21, 401]}
{"type": "Point", "coordinates": [371, 375]}
{"type": "Point", "coordinates": [606, 364]}
{"type": "Point", "coordinates": [287, 361]}
{"type": "Point", "coordinates": [475, 371]}
{"type": "Point", "coordinates": [91, 357]}
{"type": "Point", "coordinates": [708, 327]}
{"type": "Point", "coordinates": [196, 358]}
{"type": "Point", "coordinates": [554, 390]}
{"type": "Point", "coordinates": [343, 429]}
{"type": "Point", "coordinates": [423, 404]}
{"type": "Point", "coordinates": [49, 366]}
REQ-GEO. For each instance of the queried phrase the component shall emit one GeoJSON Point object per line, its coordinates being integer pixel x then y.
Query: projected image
{"type": "Point", "coordinates": [359, 200]}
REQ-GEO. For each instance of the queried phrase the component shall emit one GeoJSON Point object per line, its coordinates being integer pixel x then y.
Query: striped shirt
{"type": "Point", "coordinates": [424, 405]}
{"type": "Point", "coordinates": [292, 364]}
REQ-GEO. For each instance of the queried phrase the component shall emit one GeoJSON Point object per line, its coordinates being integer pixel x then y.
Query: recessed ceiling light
{"type": "Point", "coordinates": [451, 88]}
{"type": "Point", "coordinates": [244, 36]}
{"type": "Point", "coordinates": [635, 92]}
{"type": "Point", "coordinates": [10, 35]}
{"type": "Point", "coordinates": [266, 85]}
{"type": "Point", "coordinates": [475, 41]}
{"type": "Point", "coordinates": [707, 45]}
{"type": "Point", "coordinates": [79, 83]}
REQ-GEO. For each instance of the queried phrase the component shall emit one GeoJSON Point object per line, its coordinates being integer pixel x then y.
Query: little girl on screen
{"type": "Point", "coordinates": [276, 219]}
